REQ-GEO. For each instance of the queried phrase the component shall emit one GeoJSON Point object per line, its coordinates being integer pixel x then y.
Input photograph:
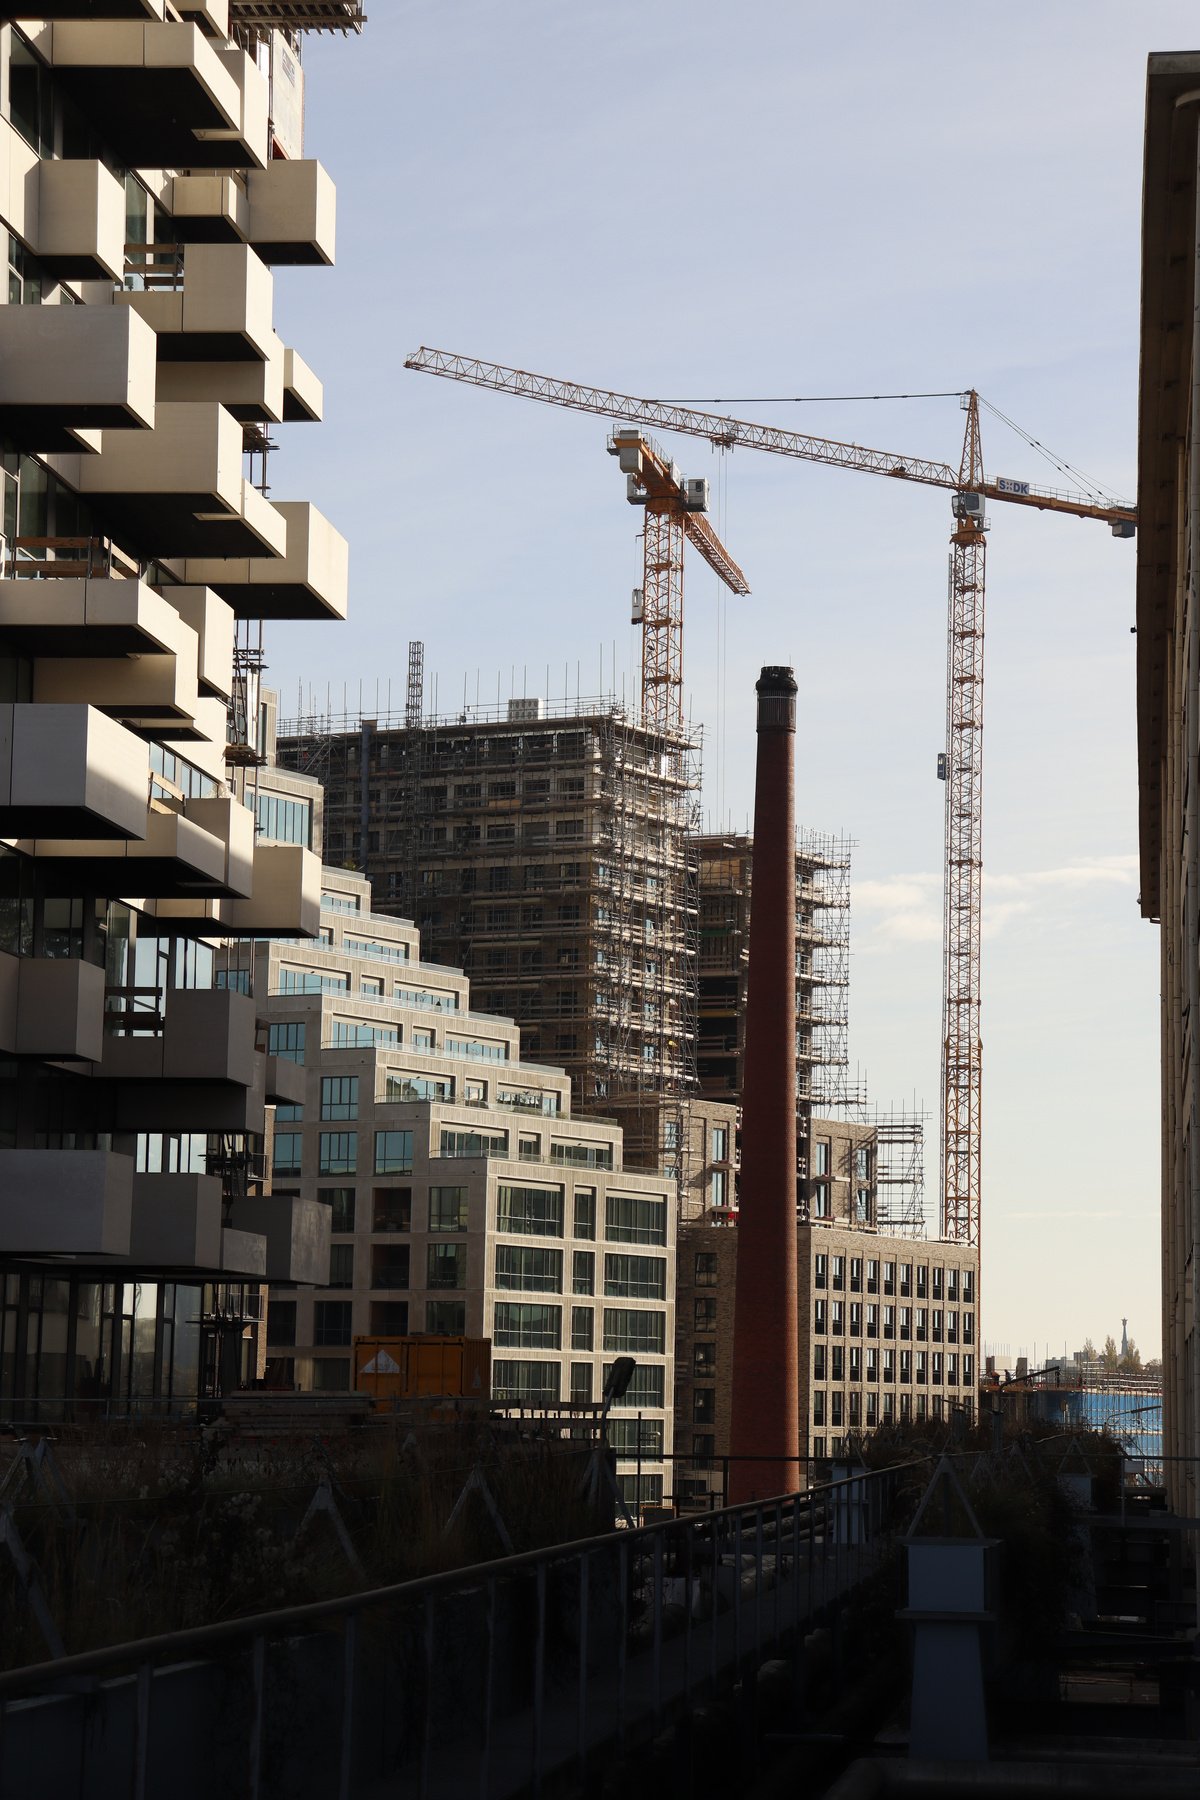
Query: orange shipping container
{"type": "Point", "coordinates": [404, 1368]}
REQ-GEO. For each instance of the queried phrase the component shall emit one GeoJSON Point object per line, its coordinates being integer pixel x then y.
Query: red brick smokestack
{"type": "Point", "coordinates": [765, 1419]}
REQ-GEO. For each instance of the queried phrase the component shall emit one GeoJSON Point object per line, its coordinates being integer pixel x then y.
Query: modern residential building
{"type": "Point", "coordinates": [544, 851]}
{"type": "Point", "coordinates": [888, 1328]}
{"type": "Point", "coordinates": [1168, 714]}
{"type": "Point", "coordinates": [463, 1194]}
{"type": "Point", "coordinates": [152, 178]}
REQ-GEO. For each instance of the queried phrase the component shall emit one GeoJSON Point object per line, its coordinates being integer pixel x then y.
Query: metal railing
{"type": "Point", "coordinates": [487, 1681]}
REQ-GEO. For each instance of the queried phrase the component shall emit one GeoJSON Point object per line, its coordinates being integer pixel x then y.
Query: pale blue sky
{"type": "Point", "coordinates": [694, 202]}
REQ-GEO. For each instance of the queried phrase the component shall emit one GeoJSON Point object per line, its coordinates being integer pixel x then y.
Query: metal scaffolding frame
{"type": "Point", "coordinates": [545, 849]}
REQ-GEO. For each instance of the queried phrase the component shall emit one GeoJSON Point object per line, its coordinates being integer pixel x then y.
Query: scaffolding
{"type": "Point", "coordinates": [546, 849]}
{"type": "Point", "coordinates": [823, 922]}
{"type": "Point", "coordinates": [900, 1172]}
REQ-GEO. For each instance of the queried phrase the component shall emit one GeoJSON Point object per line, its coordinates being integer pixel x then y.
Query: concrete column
{"type": "Point", "coordinates": [765, 1425]}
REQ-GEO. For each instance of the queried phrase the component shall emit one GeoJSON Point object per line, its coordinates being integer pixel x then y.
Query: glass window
{"type": "Point", "coordinates": [534, 1383]}
{"type": "Point", "coordinates": [446, 1266]}
{"type": "Point", "coordinates": [818, 1362]}
{"type": "Point", "coordinates": [530, 1266]}
{"type": "Point", "coordinates": [339, 1153]}
{"type": "Point", "coordinates": [284, 821]}
{"type": "Point", "coordinates": [331, 1322]}
{"type": "Point", "coordinates": [286, 1041]}
{"type": "Point", "coordinates": [391, 1209]}
{"type": "Point", "coordinates": [474, 1143]}
{"type": "Point", "coordinates": [704, 1359]}
{"type": "Point", "coordinates": [583, 1322]}
{"type": "Point", "coordinates": [527, 1326]}
{"type": "Point", "coordinates": [331, 1374]}
{"type": "Point", "coordinates": [820, 1200]}
{"type": "Point", "coordinates": [393, 1152]}
{"type": "Point", "coordinates": [704, 1406]}
{"type": "Point", "coordinates": [720, 1143]}
{"type": "Point", "coordinates": [339, 1096]}
{"type": "Point", "coordinates": [646, 1388]}
{"type": "Point", "coordinates": [642, 1333]}
{"type": "Point", "coordinates": [821, 1156]}
{"type": "Point", "coordinates": [341, 1201]}
{"type": "Point", "coordinates": [530, 1211]}
{"type": "Point", "coordinates": [446, 1318]}
{"type": "Point", "coordinates": [389, 1318]}
{"type": "Point", "coordinates": [821, 1270]}
{"type": "Point", "coordinates": [585, 1212]}
{"type": "Point", "coordinates": [633, 1220]}
{"type": "Point", "coordinates": [447, 1209]}
{"type": "Point", "coordinates": [581, 1384]}
{"type": "Point", "coordinates": [583, 1272]}
{"type": "Point", "coordinates": [390, 1266]}
{"type": "Point", "coordinates": [706, 1268]}
{"type": "Point", "coordinates": [281, 1321]}
{"type": "Point", "coordinates": [635, 1277]}
{"type": "Point", "coordinates": [706, 1315]}
{"type": "Point", "coordinates": [341, 1265]}
{"type": "Point", "coordinates": [286, 1157]}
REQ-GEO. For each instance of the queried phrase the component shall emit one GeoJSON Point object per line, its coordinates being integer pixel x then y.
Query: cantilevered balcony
{"type": "Point", "coordinates": [65, 1202]}
{"type": "Point", "coordinates": [286, 211]}
{"type": "Point", "coordinates": [149, 692]}
{"type": "Point", "coordinates": [219, 312]}
{"type": "Point", "coordinates": [168, 98]}
{"type": "Point", "coordinates": [243, 1253]}
{"type": "Point", "coordinates": [68, 368]}
{"type": "Point", "coordinates": [76, 617]}
{"type": "Point", "coordinates": [296, 1233]}
{"type": "Point", "coordinates": [303, 394]}
{"type": "Point", "coordinates": [292, 212]}
{"type": "Point", "coordinates": [80, 220]}
{"type": "Point", "coordinates": [51, 1008]}
{"type": "Point", "coordinates": [179, 490]}
{"type": "Point", "coordinates": [212, 621]}
{"type": "Point", "coordinates": [205, 1035]}
{"type": "Point", "coordinates": [176, 1222]}
{"type": "Point", "coordinates": [254, 392]}
{"type": "Point", "coordinates": [285, 900]}
{"type": "Point", "coordinates": [308, 582]}
{"type": "Point", "coordinates": [70, 770]}
{"type": "Point", "coordinates": [176, 859]}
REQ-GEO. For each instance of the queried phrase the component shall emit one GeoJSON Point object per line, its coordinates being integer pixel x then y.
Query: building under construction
{"type": "Point", "coordinates": [547, 852]}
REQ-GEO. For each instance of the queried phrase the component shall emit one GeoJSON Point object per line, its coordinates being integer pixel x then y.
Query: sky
{"type": "Point", "coordinates": [736, 206]}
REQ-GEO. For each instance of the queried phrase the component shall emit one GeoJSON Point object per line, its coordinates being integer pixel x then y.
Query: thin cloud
{"type": "Point", "coordinates": [907, 909]}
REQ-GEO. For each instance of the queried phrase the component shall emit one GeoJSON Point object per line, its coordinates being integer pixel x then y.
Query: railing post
{"type": "Point", "coordinates": [427, 1732]}
{"type": "Point", "coordinates": [141, 1752]}
{"type": "Point", "coordinates": [623, 1652]}
{"type": "Point", "coordinates": [259, 1664]}
{"type": "Point", "coordinates": [658, 1580]}
{"type": "Point", "coordinates": [349, 1646]}
{"type": "Point", "coordinates": [584, 1571]}
{"type": "Point", "coordinates": [539, 1678]}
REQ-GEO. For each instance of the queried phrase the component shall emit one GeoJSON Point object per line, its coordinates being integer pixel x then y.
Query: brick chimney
{"type": "Point", "coordinates": [765, 1414]}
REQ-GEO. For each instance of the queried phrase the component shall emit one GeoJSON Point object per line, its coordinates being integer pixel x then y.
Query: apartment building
{"type": "Point", "coordinates": [888, 1324]}
{"type": "Point", "coordinates": [544, 851]}
{"type": "Point", "coordinates": [462, 1193]}
{"type": "Point", "coordinates": [1168, 714]}
{"type": "Point", "coordinates": [151, 180]}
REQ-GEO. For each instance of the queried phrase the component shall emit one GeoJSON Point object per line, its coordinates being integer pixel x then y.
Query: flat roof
{"type": "Point", "coordinates": [1168, 225]}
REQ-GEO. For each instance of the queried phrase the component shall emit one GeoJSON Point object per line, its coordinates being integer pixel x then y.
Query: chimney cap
{"type": "Point", "coordinates": [776, 679]}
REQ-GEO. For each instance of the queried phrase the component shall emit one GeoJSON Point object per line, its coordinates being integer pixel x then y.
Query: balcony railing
{"type": "Point", "coordinates": [32, 558]}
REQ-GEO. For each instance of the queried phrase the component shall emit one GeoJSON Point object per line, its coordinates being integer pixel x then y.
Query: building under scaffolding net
{"type": "Point", "coordinates": [822, 970]}
{"type": "Point", "coordinates": [544, 849]}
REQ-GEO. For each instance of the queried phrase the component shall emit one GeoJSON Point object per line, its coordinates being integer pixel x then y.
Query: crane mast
{"type": "Point", "coordinates": [962, 1049]}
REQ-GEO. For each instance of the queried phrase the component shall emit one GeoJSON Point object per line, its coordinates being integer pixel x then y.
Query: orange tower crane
{"type": "Point", "coordinates": [961, 763]}
{"type": "Point", "coordinates": [675, 509]}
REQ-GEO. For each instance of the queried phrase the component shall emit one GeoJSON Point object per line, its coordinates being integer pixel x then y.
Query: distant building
{"type": "Point", "coordinates": [462, 1194]}
{"type": "Point", "coordinates": [888, 1324]}
{"type": "Point", "coordinates": [1168, 715]}
{"type": "Point", "coordinates": [544, 853]}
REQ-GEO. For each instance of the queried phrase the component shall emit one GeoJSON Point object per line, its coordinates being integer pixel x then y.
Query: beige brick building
{"type": "Point", "coordinates": [887, 1324]}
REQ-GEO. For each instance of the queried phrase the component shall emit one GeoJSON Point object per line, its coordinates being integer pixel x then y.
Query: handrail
{"type": "Point", "coordinates": [257, 1625]}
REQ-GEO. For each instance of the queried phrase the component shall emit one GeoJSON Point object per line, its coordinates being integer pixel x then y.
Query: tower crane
{"type": "Point", "coordinates": [960, 765]}
{"type": "Point", "coordinates": [675, 509]}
